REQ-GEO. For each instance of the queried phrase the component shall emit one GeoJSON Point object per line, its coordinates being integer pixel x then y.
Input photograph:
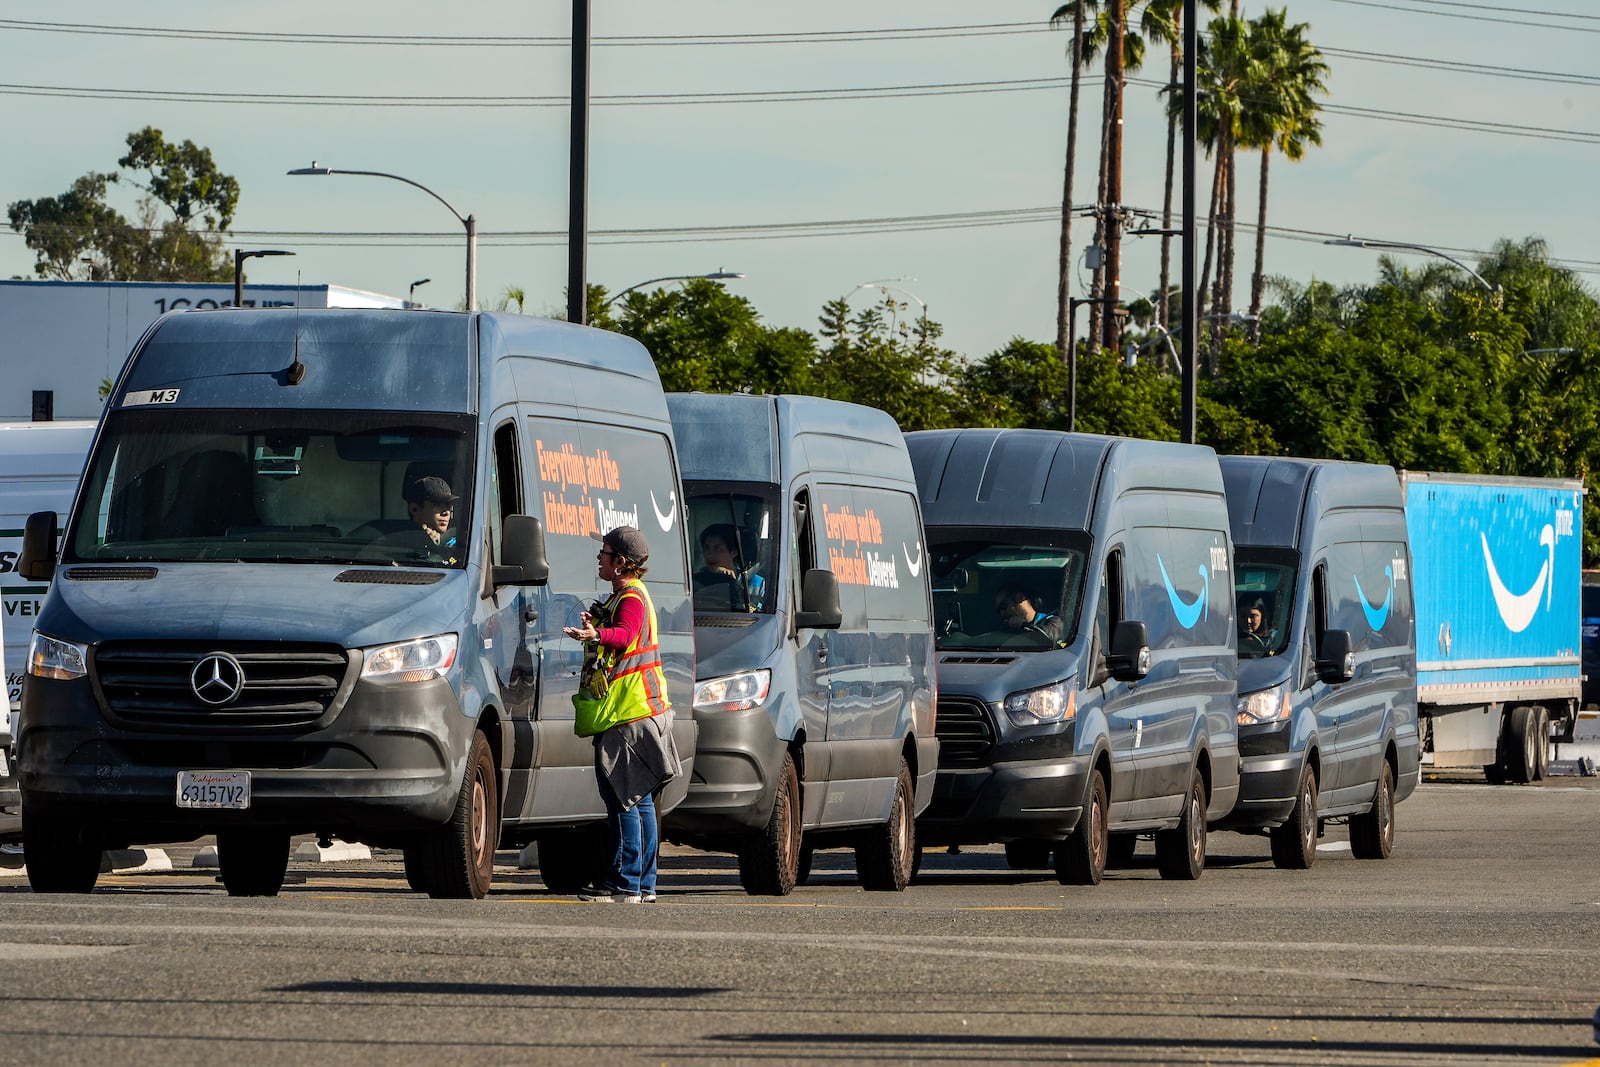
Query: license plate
{"type": "Point", "coordinates": [213, 789]}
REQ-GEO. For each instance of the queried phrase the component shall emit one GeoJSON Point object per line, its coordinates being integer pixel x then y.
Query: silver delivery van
{"type": "Point", "coordinates": [249, 634]}
{"type": "Point", "coordinates": [1327, 652]}
{"type": "Point", "coordinates": [815, 683]}
{"type": "Point", "coordinates": [1083, 608]}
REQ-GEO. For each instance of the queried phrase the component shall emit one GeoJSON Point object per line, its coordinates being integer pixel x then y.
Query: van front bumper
{"type": "Point", "coordinates": [737, 759]}
{"type": "Point", "coordinates": [388, 761]}
{"type": "Point", "coordinates": [1005, 801]}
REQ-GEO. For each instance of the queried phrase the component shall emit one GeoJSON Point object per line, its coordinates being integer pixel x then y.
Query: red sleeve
{"type": "Point", "coordinates": [630, 623]}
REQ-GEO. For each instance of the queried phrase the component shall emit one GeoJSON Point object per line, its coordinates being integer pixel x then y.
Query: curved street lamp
{"type": "Point", "coordinates": [718, 275]}
{"type": "Point", "coordinates": [239, 256]}
{"type": "Point", "coordinates": [411, 293]}
{"type": "Point", "coordinates": [469, 221]}
{"type": "Point", "coordinates": [1401, 246]}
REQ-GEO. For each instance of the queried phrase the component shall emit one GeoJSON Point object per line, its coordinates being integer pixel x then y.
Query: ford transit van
{"type": "Point", "coordinates": [1083, 610]}
{"type": "Point", "coordinates": [1328, 677]}
{"type": "Point", "coordinates": [249, 633]}
{"type": "Point", "coordinates": [815, 690]}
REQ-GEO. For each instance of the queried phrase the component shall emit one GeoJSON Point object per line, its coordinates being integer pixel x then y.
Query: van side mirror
{"type": "Point", "coordinates": [522, 555]}
{"type": "Point", "coordinates": [1129, 659]}
{"type": "Point", "coordinates": [38, 560]}
{"type": "Point", "coordinates": [819, 601]}
{"type": "Point", "coordinates": [1336, 657]}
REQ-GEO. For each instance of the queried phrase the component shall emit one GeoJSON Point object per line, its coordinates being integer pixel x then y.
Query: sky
{"type": "Point", "coordinates": [1448, 124]}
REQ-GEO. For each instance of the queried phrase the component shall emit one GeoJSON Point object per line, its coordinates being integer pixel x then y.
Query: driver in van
{"type": "Point", "coordinates": [1253, 623]}
{"type": "Point", "coordinates": [1020, 610]}
{"type": "Point", "coordinates": [717, 584]}
{"type": "Point", "coordinates": [430, 503]}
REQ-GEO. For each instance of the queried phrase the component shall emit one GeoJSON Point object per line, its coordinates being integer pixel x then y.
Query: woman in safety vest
{"type": "Point", "coordinates": [634, 752]}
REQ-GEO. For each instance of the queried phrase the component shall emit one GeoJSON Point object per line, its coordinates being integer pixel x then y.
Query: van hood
{"type": "Point", "coordinates": [728, 644]}
{"type": "Point", "coordinates": [1258, 674]}
{"type": "Point", "coordinates": [992, 676]}
{"type": "Point", "coordinates": [253, 602]}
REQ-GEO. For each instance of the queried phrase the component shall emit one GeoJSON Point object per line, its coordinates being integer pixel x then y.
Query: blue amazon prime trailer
{"type": "Point", "coordinates": [1498, 574]}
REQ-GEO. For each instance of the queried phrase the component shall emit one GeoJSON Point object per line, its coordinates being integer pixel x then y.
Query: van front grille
{"type": "Point", "coordinates": [965, 730]}
{"type": "Point", "coordinates": [282, 686]}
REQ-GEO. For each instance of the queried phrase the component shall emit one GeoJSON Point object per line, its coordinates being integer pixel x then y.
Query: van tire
{"type": "Point", "coordinates": [886, 855]}
{"type": "Point", "coordinates": [572, 859]}
{"type": "Point", "coordinates": [252, 861]}
{"type": "Point", "coordinates": [1029, 855]}
{"type": "Point", "coordinates": [417, 869]}
{"type": "Point", "coordinates": [459, 856]}
{"type": "Point", "coordinates": [1372, 832]}
{"type": "Point", "coordinates": [1294, 844]}
{"type": "Point", "coordinates": [802, 874]}
{"type": "Point", "coordinates": [1081, 858]}
{"type": "Point", "coordinates": [1181, 851]}
{"type": "Point", "coordinates": [769, 862]}
{"type": "Point", "coordinates": [1120, 849]}
{"type": "Point", "coordinates": [56, 855]}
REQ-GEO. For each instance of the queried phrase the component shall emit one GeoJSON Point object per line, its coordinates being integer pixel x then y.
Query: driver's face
{"type": "Point", "coordinates": [1014, 613]}
{"type": "Point", "coordinates": [1253, 620]}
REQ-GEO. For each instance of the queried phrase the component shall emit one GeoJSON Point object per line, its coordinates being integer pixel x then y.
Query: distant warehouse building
{"type": "Point", "coordinates": [60, 340]}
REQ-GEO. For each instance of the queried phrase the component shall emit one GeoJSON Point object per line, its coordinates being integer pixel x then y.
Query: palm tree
{"type": "Point", "coordinates": [1076, 54]}
{"type": "Point", "coordinates": [1294, 74]}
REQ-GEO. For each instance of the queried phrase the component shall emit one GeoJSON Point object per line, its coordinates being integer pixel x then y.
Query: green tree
{"type": "Point", "coordinates": [883, 360]}
{"type": "Point", "coordinates": [187, 208]}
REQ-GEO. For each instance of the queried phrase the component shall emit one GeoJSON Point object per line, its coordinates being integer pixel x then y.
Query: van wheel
{"type": "Point", "coordinates": [417, 869]}
{"type": "Point", "coordinates": [1372, 832]}
{"type": "Point", "coordinates": [459, 855]}
{"type": "Point", "coordinates": [58, 858]}
{"type": "Point", "coordinates": [1081, 858]}
{"type": "Point", "coordinates": [769, 862]}
{"type": "Point", "coordinates": [253, 861]}
{"type": "Point", "coordinates": [1294, 844]}
{"type": "Point", "coordinates": [1181, 851]}
{"type": "Point", "coordinates": [886, 855]}
{"type": "Point", "coordinates": [1120, 849]}
{"type": "Point", "coordinates": [1028, 855]}
{"type": "Point", "coordinates": [572, 859]}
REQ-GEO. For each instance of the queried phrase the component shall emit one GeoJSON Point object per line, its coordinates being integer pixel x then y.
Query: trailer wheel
{"type": "Point", "coordinates": [1541, 745]}
{"type": "Point", "coordinates": [1372, 832]}
{"type": "Point", "coordinates": [1521, 761]}
{"type": "Point", "coordinates": [1294, 844]}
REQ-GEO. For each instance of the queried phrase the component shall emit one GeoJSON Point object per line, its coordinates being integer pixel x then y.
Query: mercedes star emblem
{"type": "Point", "coordinates": [217, 679]}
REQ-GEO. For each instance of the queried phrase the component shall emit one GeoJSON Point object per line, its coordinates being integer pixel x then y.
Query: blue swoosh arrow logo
{"type": "Point", "coordinates": [1376, 617]}
{"type": "Point", "coordinates": [1188, 614]}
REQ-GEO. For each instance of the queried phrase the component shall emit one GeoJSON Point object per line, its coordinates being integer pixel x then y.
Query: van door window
{"type": "Point", "coordinates": [505, 482]}
{"type": "Point", "coordinates": [1319, 623]}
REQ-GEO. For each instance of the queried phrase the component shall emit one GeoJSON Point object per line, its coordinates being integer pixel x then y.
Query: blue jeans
{"type": "Point", "coordinates": [634, 843]}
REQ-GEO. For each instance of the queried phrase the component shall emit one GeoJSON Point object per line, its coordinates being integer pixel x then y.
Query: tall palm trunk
{"type": "Point", "coordinates": [1258, 280]}
{"type": "Point", "coordinates": [1163, 311]}
{"type": "Point", "coordinates": [1113, 201]}
{"type": "Point", "coordinates": [1064, 283]}
{"type": "Point", "coordinates": [1225, 250]}
{"type": "Point", "coordinates": [1097, 284]}
{"type": "Point", "coordinates": [1213, 229]}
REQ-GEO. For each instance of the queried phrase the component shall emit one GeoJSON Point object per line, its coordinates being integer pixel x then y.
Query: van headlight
{"type": "Point", "coordinates": [421, 660]}
{"type": "Point", "coordinates": [50, 657]}
{"type": "Point", "coordinates": [1266, 705]}
{"type": "Point", "coordinates": [735, 692]}
{"type": "Point", "coordinates": [1057, 702]}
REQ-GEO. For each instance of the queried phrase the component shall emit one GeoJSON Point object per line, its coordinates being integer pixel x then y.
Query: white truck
{"type": "Point", "coordinates": [1496, 567]}
{"type": "Point", "coordinates": [40, 464]}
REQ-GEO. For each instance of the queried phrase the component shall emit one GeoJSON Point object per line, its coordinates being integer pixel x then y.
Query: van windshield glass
{"type": "Point", "coordinates": [1006, 589]}
{"type": "Point", "coordinates": [1264, 589]}
{"type": "Point", "coordinates": [278, 486]}
{"type": "Point", "coordinates": [735, 533]}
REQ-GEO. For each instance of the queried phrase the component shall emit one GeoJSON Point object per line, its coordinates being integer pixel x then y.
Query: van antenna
{"type": "Point", "coordinates": [297, 370]}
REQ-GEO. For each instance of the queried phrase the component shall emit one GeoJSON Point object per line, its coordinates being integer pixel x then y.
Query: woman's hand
{"type": "Point", "coordinates": [586, 632]}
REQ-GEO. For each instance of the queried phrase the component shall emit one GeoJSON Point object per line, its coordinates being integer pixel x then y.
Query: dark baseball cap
{"type": "Point", "coordinates": [625, 541]}
{"type": "Point", "coordinates": [430, 490]}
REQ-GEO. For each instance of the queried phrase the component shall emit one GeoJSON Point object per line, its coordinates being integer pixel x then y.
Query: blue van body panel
{"type": "Point", "coordinates": [1159, 507]}
{"type": "Point", "coordinates": [387, 758]}
{"type": "Point", "coordinates": [1342, 523]}
{"type": "Point", "coordinates": [847, 703]}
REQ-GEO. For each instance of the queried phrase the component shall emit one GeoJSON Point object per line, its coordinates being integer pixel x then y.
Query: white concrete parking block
{"type": "Point", "coordinates": [135, 861]}
{"type": "Point", "coordinates": [311, 852]}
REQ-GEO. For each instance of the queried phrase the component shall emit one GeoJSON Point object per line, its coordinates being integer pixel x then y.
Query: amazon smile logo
{"type": "Point", "coordinates": [1188, 614]}
{"type": "Point", "coordinates": [1518, 609]}
{"type": "Point", "coordinates": [1376, 617]}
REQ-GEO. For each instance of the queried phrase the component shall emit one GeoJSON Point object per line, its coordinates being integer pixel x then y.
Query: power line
{"type": "Point", "coordinates": [1480, 18]}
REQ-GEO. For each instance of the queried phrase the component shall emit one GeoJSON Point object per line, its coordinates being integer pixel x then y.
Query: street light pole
{"type": "Point", "coordinates": [1401, 246]}
{"type": "Point", "coordinates": [578, 170]}
{"type": "Point", "coordinates": [411, 293]}
{"type": "Point", "coordinates": [1191, 303]}
{"type": "Point", "coordinates": [717, 275]}
{"type": "Point", "coordinates": [469, 221]}
{"type": "Point", "coordinates": [239, 256]}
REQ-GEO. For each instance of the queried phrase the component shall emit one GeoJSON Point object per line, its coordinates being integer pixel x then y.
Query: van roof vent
{"type": "Point", "coordinates": [390, 577]}
{"type": "Point", "coordinates": [110, 574]}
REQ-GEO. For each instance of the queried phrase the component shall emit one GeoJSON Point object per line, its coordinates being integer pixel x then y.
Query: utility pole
{"type": "Point", "coordinates": [1113, 203]}
{"type": "Point", "coordinates": [578, 171]}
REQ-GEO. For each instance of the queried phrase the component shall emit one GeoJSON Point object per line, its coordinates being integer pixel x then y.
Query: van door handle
{"type": "Point", "coordinates": [530, 615]}
{"type": "Point", "coordinates": [822, 653]}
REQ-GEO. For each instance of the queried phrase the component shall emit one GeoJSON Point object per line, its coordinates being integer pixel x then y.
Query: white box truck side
{"type": "Point", "coordinates": [1497, 572]}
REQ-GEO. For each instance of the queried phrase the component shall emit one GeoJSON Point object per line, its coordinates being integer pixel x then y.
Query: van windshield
{"type": "Point", "coordinates": [277, 486]}
{"type": "Point", "coordinates": [1264, 589]}
{"type": "Point", "coordinates": [735, 533]}
{"type": "Point", "coordinates": [1006, 589]}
